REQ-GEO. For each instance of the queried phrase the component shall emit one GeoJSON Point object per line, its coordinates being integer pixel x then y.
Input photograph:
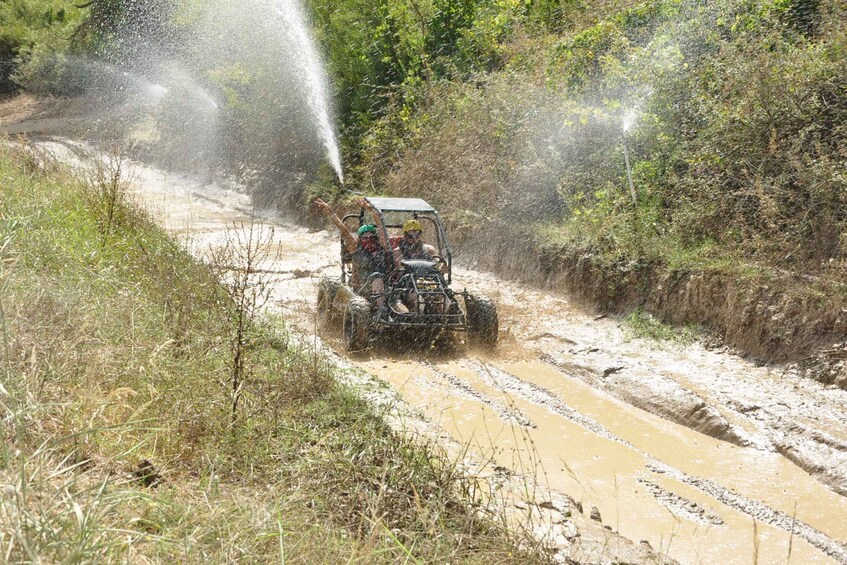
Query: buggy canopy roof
{"type": "Point", "coordinates": [400, 204]}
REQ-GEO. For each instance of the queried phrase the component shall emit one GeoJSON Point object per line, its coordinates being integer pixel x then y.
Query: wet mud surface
{"type": "Point", "coordinates": [694, 454]}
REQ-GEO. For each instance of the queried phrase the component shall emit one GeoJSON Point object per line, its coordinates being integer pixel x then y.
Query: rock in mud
{"type": "Point", "coordinates": [612, 371]}
{"type": "Point", "coordinates": [595, 514]}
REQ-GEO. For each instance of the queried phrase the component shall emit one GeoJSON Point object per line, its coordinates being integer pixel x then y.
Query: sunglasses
{"type": "Point", "coordinates": [368, 238]}
{"type": "Point", "coordinates": [414, 234]}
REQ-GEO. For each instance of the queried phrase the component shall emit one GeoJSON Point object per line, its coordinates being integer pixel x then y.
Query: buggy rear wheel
{"type": "Point", "coordinates": [356, 325]}
{"type": "Point", "coordinates": [327, 289]}
{"type": "Point", "coordinates": [483, 323]}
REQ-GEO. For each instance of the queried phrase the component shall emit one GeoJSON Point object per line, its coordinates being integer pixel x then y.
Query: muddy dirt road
{"type": "Point", "coordinates": [705, 456]}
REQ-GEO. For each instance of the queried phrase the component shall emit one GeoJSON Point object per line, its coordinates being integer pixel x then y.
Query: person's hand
{"type": "Point", "coordinates": [365, 204]}
{"type": "Point", "coordinates": [323, 206]}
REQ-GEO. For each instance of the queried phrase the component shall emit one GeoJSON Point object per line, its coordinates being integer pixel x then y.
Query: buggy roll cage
{"type": "Point", "coordinates": [387, 208]}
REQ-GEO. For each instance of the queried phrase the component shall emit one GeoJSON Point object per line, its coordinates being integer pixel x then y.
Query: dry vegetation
{"type": "Point", "coordinates": [117, 405]}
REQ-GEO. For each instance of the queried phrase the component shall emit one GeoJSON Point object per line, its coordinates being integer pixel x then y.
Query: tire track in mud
{"type": "Point", "coordinates": [509, 383]}
{"type": "Point", "coordinates": [756, 510]}
{"type": "Point", "coordinates": [822, 456]}
{"type": "Point", "coordinates": [759, 511]}
{"type": "Point", "coordinates": [681, 506]}
{"type": "Point", "coordinates": [808, 448]}
{"type": "Point", "coordinates": [505, 413]}
{"type": "Point", "coordinates": [666, 398]}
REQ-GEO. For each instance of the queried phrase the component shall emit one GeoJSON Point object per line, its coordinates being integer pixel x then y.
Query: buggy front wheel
{"type": "Point", "coordinates": [482, 320]}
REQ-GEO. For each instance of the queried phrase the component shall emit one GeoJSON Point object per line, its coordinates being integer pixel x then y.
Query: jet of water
{"type": "Point", "coordinates": [102, 78]}
{"type": "Point", "coordinates": [263, 54]}
{"type": "Point", "coordinates": [629, 120]}
{"type": "Point", "coordinates": [186, 84]}
{"type": "Point", "coordinates": [310, 70]}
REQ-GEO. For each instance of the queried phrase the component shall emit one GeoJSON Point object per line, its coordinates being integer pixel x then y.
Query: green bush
{"type": "Point", "coordinates": [34, 36]}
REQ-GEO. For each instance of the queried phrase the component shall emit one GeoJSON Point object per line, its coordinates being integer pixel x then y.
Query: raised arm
{"type": "Point", "coordinates": [348, 237]}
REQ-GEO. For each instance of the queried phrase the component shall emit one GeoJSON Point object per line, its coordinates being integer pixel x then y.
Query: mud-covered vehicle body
{"type": "Point", "coordinates": [422, 286]}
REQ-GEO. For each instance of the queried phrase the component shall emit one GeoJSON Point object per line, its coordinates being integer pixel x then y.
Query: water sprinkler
{"type": "Point", "coordinates": [628, 120]}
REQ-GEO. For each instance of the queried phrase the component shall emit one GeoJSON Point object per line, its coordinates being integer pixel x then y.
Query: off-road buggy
{"type": "Point", "coordinates": [423, 286]}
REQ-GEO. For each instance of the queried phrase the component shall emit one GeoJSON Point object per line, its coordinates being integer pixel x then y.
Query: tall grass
{"type": "Point", "coordinates": [118, 442]}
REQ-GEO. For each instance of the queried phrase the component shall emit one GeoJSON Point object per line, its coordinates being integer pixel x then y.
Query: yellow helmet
{"type": "Point", "coordinates": [412, 225]}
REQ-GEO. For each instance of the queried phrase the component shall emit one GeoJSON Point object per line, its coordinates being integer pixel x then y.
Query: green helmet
{"type": "Point", "coordinates": [366, 228]}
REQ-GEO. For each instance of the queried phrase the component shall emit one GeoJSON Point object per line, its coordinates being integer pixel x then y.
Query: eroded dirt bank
{"type": "Point", "coordinates": [772, 316]}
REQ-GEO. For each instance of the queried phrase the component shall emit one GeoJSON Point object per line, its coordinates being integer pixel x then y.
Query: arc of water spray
{"type": "Point", "coordinates": [314, 80]}
{"type": "Point", "coordinates": [124, 79]}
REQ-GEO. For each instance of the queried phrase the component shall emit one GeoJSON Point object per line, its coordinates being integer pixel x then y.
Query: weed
{"type": "Point", "coordinates": [237, 264]}
{"type": "Point", "coordinates": [105, 194]}
{"type": "Point", "coordinates": [643, 325]}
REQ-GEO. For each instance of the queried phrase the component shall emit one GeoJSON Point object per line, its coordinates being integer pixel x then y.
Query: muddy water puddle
{"type": "Point", "coordinates": [599, 450]}
{"type": "Point", "coordinates": [694, 498]}
{"type": "Point", "coordinates": [762, 476]}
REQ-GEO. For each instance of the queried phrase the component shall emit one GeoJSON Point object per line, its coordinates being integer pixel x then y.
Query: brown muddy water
{"type": "Point", "coordinates": [701, 454]}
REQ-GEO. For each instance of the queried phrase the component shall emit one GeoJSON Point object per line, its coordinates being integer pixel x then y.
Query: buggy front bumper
{"type": "Point", "coordinates": [394, 319]}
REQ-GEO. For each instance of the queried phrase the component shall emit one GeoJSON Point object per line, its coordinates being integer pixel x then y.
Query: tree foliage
{"type": "Point", "coordinates": [34, 30]}
{"type": "Point", "coordinates": [739, 123]}
{"type": "Point", "coordinates": [738, 106]}
{"type": "Point", "coordinates": [43, 42]}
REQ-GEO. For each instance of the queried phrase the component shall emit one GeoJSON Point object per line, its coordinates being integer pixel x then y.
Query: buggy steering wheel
{"type": "Point", "coordinates": [439, 262]}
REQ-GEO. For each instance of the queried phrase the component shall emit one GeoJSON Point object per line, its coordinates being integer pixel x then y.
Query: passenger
{"type": "Point", "coordinates": [371, 261]}
{"type": "Point", "coordinates": [398, 305]}
{"type": "Point", "coordinates": [410, 245]}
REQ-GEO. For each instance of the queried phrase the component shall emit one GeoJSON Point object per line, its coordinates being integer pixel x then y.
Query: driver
{"type": "Point", "coordinates": [411, 246]}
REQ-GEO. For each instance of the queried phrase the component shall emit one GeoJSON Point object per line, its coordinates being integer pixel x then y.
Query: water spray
{"type": "Point", "coordinates": [628, 120]}
{"type": "Point", "coordinates": [258, 54]}
{"type": "Point", "coordinates": [308, 65]}
{"type": "Point", "coordinates": [156, 91]}
{"type": "Point", "coordinates": [265, 50]}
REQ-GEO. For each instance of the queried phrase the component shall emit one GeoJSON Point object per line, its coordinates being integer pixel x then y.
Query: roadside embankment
{"type": "Point", "coordinates": [769, 315]}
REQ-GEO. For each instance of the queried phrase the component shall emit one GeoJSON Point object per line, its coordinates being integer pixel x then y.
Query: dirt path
{"type": "Point", "coordinates": [704, 456]}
